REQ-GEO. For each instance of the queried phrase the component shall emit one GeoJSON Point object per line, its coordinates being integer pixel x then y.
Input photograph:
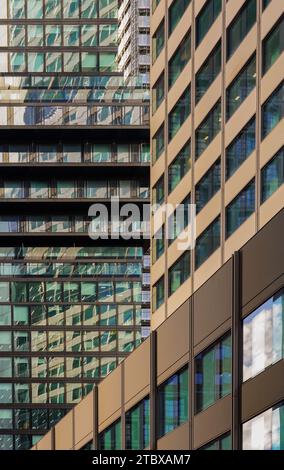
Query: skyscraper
{"type": "Point", "coordinates": [71, 307]}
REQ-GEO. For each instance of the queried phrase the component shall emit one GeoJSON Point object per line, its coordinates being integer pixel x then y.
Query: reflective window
{"type": "Point", "coordinates": [240, 209]}
{"type": "Point", "coordinates": [213, 374]}
{"type": "Point", "coordinates": [208, 72]}
{"type": "Point", "coordinates": [179, 273]}
{"type": "Point", "coordinates": [263, 336]}
{"type": "Point", "coordinates": [241, 87]}
{"type": "Point", "coordinates": [240, 149]}
{"type": "Point", "coordinates": [208, 129]}
{"type": "Point", "coordinates": [208, 186]}
{"type": "Point", "coordinates": [273, 46]}
{"type": "Point", "coordinates": [272, 176]}
{"type": "Point", "coordinates": [138, 426]}
{"type": "Point", "coordinates": [207, 243]}
{"type": "Point", "coordinates": [273, 111]}
{"type": "Point", "coordinates": [110, 439]}
{"type": "Point", "coordinates": [223, 443]}
{"type": "Point", "coordinates": [176, 12]}
{"type": "Point", "coordinates": [240, 26]}
{"type": "Point", "coordinates": [180, 59]}
{"type": "Point", "coordinates": [206, 18]}
{"type": "Point", "coordinates": [159, 293]}
{"type": "Point", "coordinates": [265, 431]}
{"type": "Point", "coordinates": [158, 41]}
{"type": "Point", "coordinates": [179, 114]}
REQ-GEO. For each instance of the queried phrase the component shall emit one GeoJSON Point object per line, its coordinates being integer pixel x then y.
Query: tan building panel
{"type": "Point", "coordinates": [175, 440]}
{"type": "Point", "coordinates": [110, 395]}
{"type": "Point", "coordinates": [137, 379]}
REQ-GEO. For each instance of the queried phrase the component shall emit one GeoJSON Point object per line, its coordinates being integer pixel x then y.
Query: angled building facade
{"type": "Point", "coordinates": [72, 135]}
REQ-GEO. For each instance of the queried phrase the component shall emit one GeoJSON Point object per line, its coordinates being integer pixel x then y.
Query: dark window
{"type": "Point", "coordinates": [159, 293]}
{"type": "Point", "coordinates": [176, 12]}
{"type": "Point", "coordinates": [159, 192]}
{"type": "Point", "coordinates": [273, 45]}
{"type": "Point", "coordinates": [272, 176]}
{"type": "Point", "coordinates": [206, 18]}
{"type": "Point", "coordinates": [158, 92]}
{"type": "Point", "coordinates": [179, 60]}
{"type": "Point", "coordinates": [179, 113]}
{"type": "Point", "coordinates": [138, 426]}
{"type": "Point", "coordinates": [208, 129]}
{"type": "Point", "coordinates": [110, 439]}
{"type": "Point", "coordinates": [241, 87]}
{"type": "Point", "coordinates": [223, 443]}
{"type": "Point", "coordinates": [159, 244]}
{"type": "Point", "coordinates": [208, 72]}
{"type": "Point", "coordinates": [213, 374]}
{"type": "Point", "coordinates": [242, 207]}
{"type": "Point", "coordinates": [240, 149]}
{"type": "Point", "coordinates": [179, 167]}
{"type": "Point", "coordinates": [273, 111]}
{"type": "Point", "coordinates": [179, 273]}
{"type": "Point", "coordinates": [208, 186]}
{"type": "Point", "coordinates": [173, 403]}
{"type": "Point", "coordinates": [158, 41]}
{"type": "Point", "coordinates": [178, 220]}
{"type": "Point", "coordinates": [207, 243]}
{"type": "Point", "coordinates": [158, 143]}
{"type": "Point", "coordinates": [240, 26]}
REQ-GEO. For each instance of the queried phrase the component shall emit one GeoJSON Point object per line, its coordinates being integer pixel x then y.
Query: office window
{"type": "Point", "coordinates": [173, 397]}
{"type": "Point", "coordinates": [110, 439]}
{"type": "Point", "coordinates": [208, 72]}
{"type": "Point", "coordinates": [208, 186]}
{"type": "Point", "coordinates": [263, 336]}
{"type": "Point", "coordinates": [138, 426]}
{"type": "Point", "coordinates": [272, 176]}
{"type": "Point", "coordinates": [240, 149]}
{"type": "Point", "coordinates": [176, 12]}
{"type": "Point", "coordinates": [206, 18]}
{"type": "Point", "coordinates": [273, 111]}
{"type": "Point", "coordinates": [179, 114]}
{"type": "Point", "coordinates": [223, 443]}
{"type": "Point", "coordinates": [265, 431]}
{"type": "Point", "coordinates": [159, 293]}
{"type": "Point", "coordinates": [213, 374]}
{"type": "Point", "coordinates": [158, 41]}
{"type": "Point", "coordinates": [241, 87]}
{"type": "Point", "coordinates": [17, 9]}
{"type": "Point", "coordinates": [179, 167]}
{"type": "Point", "coordinates": [158, 143]}
{"type": "Point", "coordinates": [273, 46]}
{"type": "Point", "coordinates": [178, 221]}
{"type": "Point", "coordinates": [159, 192]}
{"type": "Point", "coordinates": [158, 244]}
{"type": "Point", "coordinates": [179, 60]}
{"type": "Point", "coordinates": [240, 26]}
{"type": "Point", "coordinates": [240, 209]}
{"type": "Point", "coordinates": [53, 8]}
{"type": "Point", "coordinates": [179, 272]}
{"type": "Point", "coordinates": [6, 393]}
{"type": "Point", "coordinates": [5, 314]}
{"type": "Point", "coordinates": [158, 92]}
{"type": "Point", "coordinates": [35, 9]}
{"type": "Point", "coordinates": [207, 243]}
{"type": "Point", "coordinates": [208, 129]}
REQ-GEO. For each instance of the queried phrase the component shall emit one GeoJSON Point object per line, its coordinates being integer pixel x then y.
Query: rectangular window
{"type": "Point", "coordinates": [208, 72]}
{"type": "Point", "coordinates": [213, 374]}
{"type": "Point", "coordinates": [272, 176]}
{"type": "Point", "coordinates": [265, 431]}
{"type": "Point", "coordinates": [159, 192]}
{"type": "Point", "coordinates": [240, 26]}
{"type": "Point", "coordinates": [176, 12]}
{"type": "Point", "coordinates": [273, 111]}
{"type": "Point", "coordinates": [158, 41]}
{"type": "Point", "coordinates": [273, 46]}
{"type": "Point", "coordinates": [240, 209]}
{"type": "Point", "coordinates": [138, 426]}
{"type": "Point", "coordinates": [179, 114]}
{"type": "Point", "coordinates": [223, 443]}
{"type": "Point", "coordinates": [173, 397]}
{"type": "Point", "coordinates": [206, 18]}
{"type": "Point", "coordinates": [179, 60]}
{"type": "Point", "coordinates": [159, 293]}
{"type": "Point", "coordinates": [263, 336]}
{"type": "Point", "coordinates": [179, 273]}
{"type": "Point", "coordinates": [178, 221]}
{"type": "Point", "coordinates": [110, 439]}
{"type": "Point", "coordinates": [208, 129]}
{"type": "Point", "coordinates": [159, 244]}
{"type": "Point", "coordinates": [241, 87]}
{"type": "Point", "coordinates": [207, 243]}
{"type": "Point", "coordinates": [179, 167]}
{"type": "Point", "coordinates": [240, 149]}
{"type": "Point", "coordinates": [158, 92]}
{"type": "Point", "coordinates": [208, 186]}
{"type": "Point", "coordinates": [158, 143]}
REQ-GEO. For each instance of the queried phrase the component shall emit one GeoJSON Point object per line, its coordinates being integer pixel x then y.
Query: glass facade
{"type": "Point", "coordinates": [138, 426]}
{"type": "Point", "coordinates": [173, 402]}
{"type": "Point", "coordinates": [213, 374]}
{"type": "Point", "coordinates": [263, 336]}
{"type": "Point", "coordinates": [265, 431]}
{"type": "Point", "coordinates": [110, 439]}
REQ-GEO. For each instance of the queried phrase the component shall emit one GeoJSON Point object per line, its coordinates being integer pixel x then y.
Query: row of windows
{"type": "Point", "coordinates": [109, 315]}
{"type": "Point", "coordinates": [102, 291]}
{"type": "Point", "coordinates": [238, 150]}
{"type": "Point", "coordinates": [18, 442]}
{"type": "Point", "coordinates": [72, 189]}
{"type": "Point", "coordinates": [69, 341]}
{"type": "Point", "coordinates": [66, 253]}
{"type": "Point", "coordinates": [88, 367]}
{"type": "Point", "coordinates": [57, 35]}
{"type": "Point", "coordinates": [75, 153]}
{"type": "Point", "coordinates": [35, 419]}
{"type": "Point", "coordinates": [49, 9]}
{"type": "Point", "coordinates": [53, 62]}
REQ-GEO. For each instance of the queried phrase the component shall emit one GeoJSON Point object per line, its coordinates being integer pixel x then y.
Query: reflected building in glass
{"type": "Point", "coordinates": [71, 308]}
